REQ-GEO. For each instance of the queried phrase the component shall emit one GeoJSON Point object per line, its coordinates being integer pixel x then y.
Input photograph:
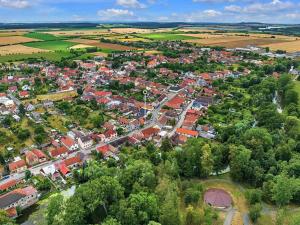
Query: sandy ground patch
{"type": "Point", "coordinates": [15, 40]}
{"type": "Point", "coordinates": [12, 33]}
{"type": "Point", "coordinates": [19, 49]}
{"type": "Point", "coordinates": [102, 54]}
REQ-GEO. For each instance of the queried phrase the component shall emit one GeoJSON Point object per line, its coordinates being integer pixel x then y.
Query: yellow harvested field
{"type": "Point", "coordinates": [234, 40]}
{"type": "Point", "coordinates": [12, 33]}
{"type": "Point", "coordinates": [81, 46]}
{"type": "Point", "coordinates": [11, 40]}
{"type": "Point", "coordinates": [57, 96]}
{"type": "Point", "coordinates": [19, 49]}
{"type": "Point", "coordinates": [292, 46]}
{"type": "Point", "coordinates": [79, 32]}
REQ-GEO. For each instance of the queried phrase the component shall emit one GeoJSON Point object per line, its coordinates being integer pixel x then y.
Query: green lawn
{"type": "Point", "coordinates": [51, 45]}
{"type": "Point", "coordinates": [42, 36]}
{"type": "Point", "coordinates": [166, 36]}
{"type": "Point", "coordinates": [52, 56]}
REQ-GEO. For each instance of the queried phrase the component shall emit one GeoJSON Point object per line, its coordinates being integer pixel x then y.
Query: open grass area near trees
{"type": "Point", "coordinates": [51, 45]}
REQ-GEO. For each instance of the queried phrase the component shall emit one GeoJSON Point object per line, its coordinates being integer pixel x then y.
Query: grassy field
{"type": "Point", "coordinates": [57, 96]}
{"type": "Point", "coordinates": [51, 45]}
{"type": "Point", "coordinates": [167, 36]}
{"type": "Point", "coordinates": [52, 56]}
{"type": "Point", "coordinates": [42, 36]}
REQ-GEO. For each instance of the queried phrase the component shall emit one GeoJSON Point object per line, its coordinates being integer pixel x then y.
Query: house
{"type": "Point", "coordinates": [31, 158]}
{"type": "Point", "coordinates": [73, 162]}
{"type": "Point", "coordinates": [21, 198]}
{"type": "Point", "coordinates": [107, 151]}
{"type": "Point", "coordinates": [175, 103]}
{"type": "Point", "coordinates": [69, 143]}
{"type": "Point", "coordinates": [150, 132]}
{"type": "Point", "coordinates": [110, 135]}
{"type": "Point", "coordinates": [17, 166]}
{"type": "Point", "coordinates": [41, 155]}
{"type": "Point", "coordinates": [64, 170]}
{"type": "Point", "coordinates": [85, 142]}
{"type": "Point", "coordinates": [9, 185]}
{"type": "Point", "coordinates": [24, 94]}
{"type": "Point", "coordinates": [50, 171]}
{"type": "Point", "coordinates": [48, 104]}
{"type": "Point", "coordinates": [187, 133]}
{"type": "Point", "coordinates": [59, 152]}
{"type": "Point", "coordinates": [202, 102]}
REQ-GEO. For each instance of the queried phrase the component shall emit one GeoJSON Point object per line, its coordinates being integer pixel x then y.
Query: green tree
{"type": "Point", "coordinates": [111, 221]}
{"type": "Point", "coordinates": [4, 219]}
{"type": "Point", "coordinates": [54, 208]}
{"type": "Point", "coordinates": [206, 160]}
{"type": "Point", "coordinates": [193, 216]}
{"type": "Point", "coordinates": [140, 208]}
{"type": "Point", "coordinates": [283, 189]}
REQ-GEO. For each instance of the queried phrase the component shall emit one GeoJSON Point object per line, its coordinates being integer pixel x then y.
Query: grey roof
{"type": "Point", "coordinates": [10, 198]}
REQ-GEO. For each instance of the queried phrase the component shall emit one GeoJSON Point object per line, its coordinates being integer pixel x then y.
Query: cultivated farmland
{"type": "Point", "coordinates": [15, 40]}
{"type": "Point", "coordinates": [51, 45]}
{"type": "Point", "coordinates": [97, 43]}
{"type": "Point", "coordinates": [167, 36]}
{"type": "Point", "coordinates": [19, 49]}
{"type": "Point", "coordinates": [42, 36]}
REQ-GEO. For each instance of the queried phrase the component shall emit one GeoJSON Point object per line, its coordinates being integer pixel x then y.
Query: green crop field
{"type": "Point", "coordinates": [166, 36]}
{"type": "Point", "coordinates": [51, 45]}
{"type": "Point", "coordinates": [42, 36]}
{"type": "Point", "coordinates": [52, 56]}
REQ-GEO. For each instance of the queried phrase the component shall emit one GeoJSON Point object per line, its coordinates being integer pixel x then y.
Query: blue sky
{"type": "Point", "coordinates": [272, 11]}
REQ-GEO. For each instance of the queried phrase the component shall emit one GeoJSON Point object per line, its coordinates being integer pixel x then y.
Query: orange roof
{"type": "Point", "coordinates": [73, 160]}
{"type": "Point", "coordinates": [39, 153]}
{"type": "Point", "coordinates": [12, 212]}
{"type": "Point", "coordinates": [187, 132]}
{"type": "Point", "coordinates": [58, 151]}
{"type": "Point", "coordinates": [8, 185]}
{"type": "Point", "coordinates": [67, 141]}
{"type": "Point", "coordinates": [64, 169]}
{"type": "Point", "coordinates": [103, 149]}
{"type": "Point", "coordinates": [150, 132]}
{"type": "Point", "coordinates": [15, 165]}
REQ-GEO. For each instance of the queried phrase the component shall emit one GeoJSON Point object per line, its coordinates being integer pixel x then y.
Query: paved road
{"type": "Point", "coordinates": [229, 217]}
{"type": "Point", "coordinates": [181, 119]}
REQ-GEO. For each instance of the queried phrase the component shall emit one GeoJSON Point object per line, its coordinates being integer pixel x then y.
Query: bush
{"type": "Point", "coordinates": [254, 196]}
{"type": "Point", "coordinates": [255, 212]}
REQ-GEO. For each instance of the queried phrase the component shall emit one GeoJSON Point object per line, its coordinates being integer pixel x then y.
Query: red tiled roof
{"type": "Point", "coordinates": [58, 151]}
{"type": "Point", "coordinates": [187, 132]}
{"type": "Point", "coordinates": [39, 153]}
{"type": "Point", "coordinates": [15, 165]}
{"type": "Point", "coordinates": [12, 212]}
{"type": "Point", "coordinates": [8, 184]}
{"type": "Point", "coordinates": [72, 160]}
{"type": "Point", "coordinates": [150, 132]}
{"type": "Point", "coordinates": [103, 149]}
{"type": "Point", "coordinates": [64, 169]}
{"type": "Point", "coordinates": [67, 141]}
{"type": "Point", "coordinates": [23, 93]}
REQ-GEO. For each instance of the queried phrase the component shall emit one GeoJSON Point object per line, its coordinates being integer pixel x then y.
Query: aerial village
{"type": "Point", "coordinates": [65, 115]}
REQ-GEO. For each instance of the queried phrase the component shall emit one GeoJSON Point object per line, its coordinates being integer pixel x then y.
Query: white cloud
{"type": "Point", "coordinates": [213, 1]}
{"type": "Point", "coordinates": [17, 4]}
{"type": "Point", "coordinates": [211, 13]}
{"type": "Point", "coordinates": [131, 4]}
{"type": "Point", "coordinates": [115, 14]}
{"type": "Point", "coordinates": [233, 8]}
